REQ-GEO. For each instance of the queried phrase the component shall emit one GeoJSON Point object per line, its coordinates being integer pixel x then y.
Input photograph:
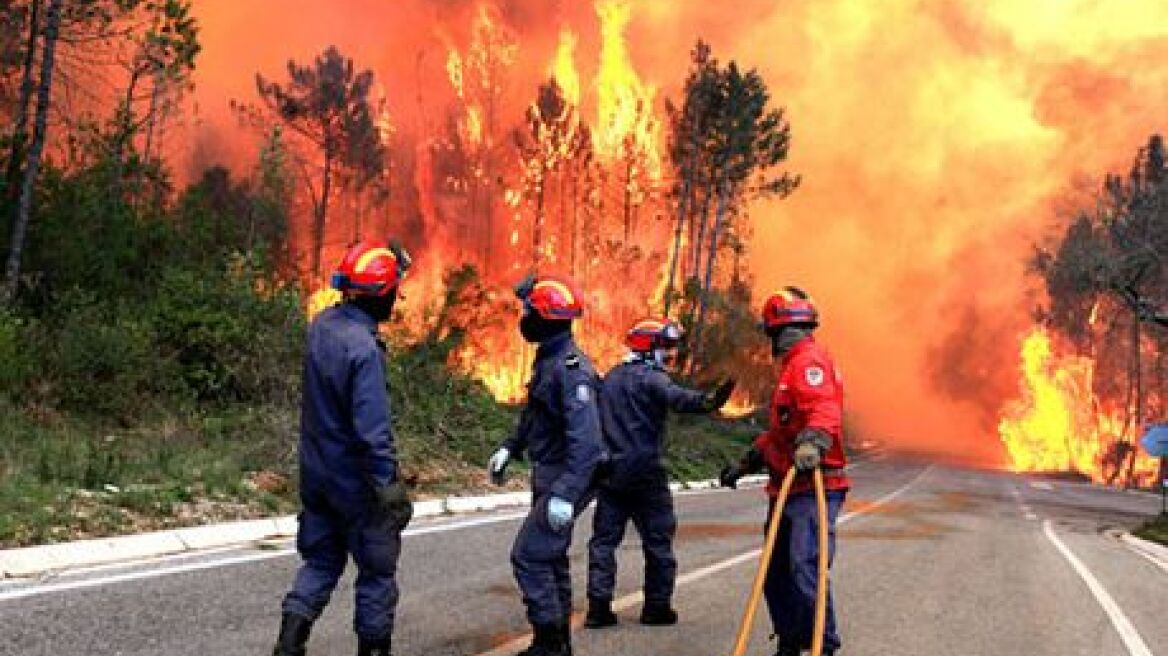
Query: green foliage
{"type": "Point", "coordinates": [1155, 529]}
{"type": "Point", "coordinates": [727, 144]}
{"type": "Point", "coordinates": [326, 103]}
{"type": "Point", "coordinates": [16, 360]}
{"type": "Point", "coordinates": [99, 360]}
{"type": "Point", "coordinates": [697, 446]}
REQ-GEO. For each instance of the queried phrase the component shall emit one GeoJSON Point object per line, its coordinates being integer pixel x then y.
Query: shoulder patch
{"type": "Point", "coordinates": [814, 376]}
{"type": "Point", "coordinates": [583, 393]}
{"type": "Point", "coordinates": [572, 361]}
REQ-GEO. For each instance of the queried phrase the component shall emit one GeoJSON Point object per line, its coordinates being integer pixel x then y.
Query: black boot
{"type": "Point", "coordinates": [599, 614]}
{"type": "Point", "coordinates": [566, 635]}
{"type": "Point", "coordinates": [790, 650]}
{"type": "Point", "coordinates": [548, 641]}
{"type": "Point", "coordinates": [656, 613]}
{"type": "Point", "coordinates": [373, 647]}
{"type": "Point", "coordinates": [293, 638]}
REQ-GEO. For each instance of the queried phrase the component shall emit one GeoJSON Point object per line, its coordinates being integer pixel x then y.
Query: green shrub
{"type": "Point", "coordinates": [99, 360]}
{"type": "Point", "coordinates": [17, 360]}
{"type": "Point", "coordinates": [229, 342]}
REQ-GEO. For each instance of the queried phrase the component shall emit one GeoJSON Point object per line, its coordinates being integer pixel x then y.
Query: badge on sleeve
{"type": "Point", "coordinates": [814, 376]}
{"type": "Point", "coordinates": [583, 393]}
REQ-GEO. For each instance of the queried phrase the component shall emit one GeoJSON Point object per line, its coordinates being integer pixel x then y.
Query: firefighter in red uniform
{"type": "Point", "coordinates": [806, 433]}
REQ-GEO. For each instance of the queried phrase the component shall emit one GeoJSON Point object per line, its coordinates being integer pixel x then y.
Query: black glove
{"type": "Point", "coordinates": [729, 476]}
{"type": "Point", "coordinates": [394, 502]}
{"type": "Point", "coordinates": [716, 399]}
{"type": "Point", "coordinates": [750, 463]}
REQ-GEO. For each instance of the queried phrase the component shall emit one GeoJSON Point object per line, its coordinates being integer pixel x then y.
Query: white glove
{"type": "Point", "coordinates": [497, 465]}
{"type": "Point", "coordinates": [559, 513]}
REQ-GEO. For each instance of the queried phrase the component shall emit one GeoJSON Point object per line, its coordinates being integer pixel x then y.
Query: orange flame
{"type": "Point", "coordinates": [739, 405]}
{"type": "Point", "coordinates": [625, 104]}
{"type": "Point", "coordinates": [564, 68]}
{"type": "Point", "coordinates": [1058, 425]}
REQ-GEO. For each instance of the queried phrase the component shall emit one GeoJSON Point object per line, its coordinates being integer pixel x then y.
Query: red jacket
{"type": "Point", "coordinates": [809, 393]}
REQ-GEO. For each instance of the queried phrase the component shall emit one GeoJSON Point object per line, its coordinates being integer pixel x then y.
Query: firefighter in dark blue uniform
{"type": "Point", "coordinates": [559, 430]}
{"type": "Point", "coordinates": [354, 502]}
{"type": "Point", "coordinates": [638, 396]}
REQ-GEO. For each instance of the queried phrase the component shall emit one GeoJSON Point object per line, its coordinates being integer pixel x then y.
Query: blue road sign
{"type": "Point", "coordinates": [1155, 441]}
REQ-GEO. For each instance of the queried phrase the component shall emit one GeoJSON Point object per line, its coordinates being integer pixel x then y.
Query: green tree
{"type": "Point", "coordinates": [32, 168]}
{"type": "Point", "coordinates": [728, 145]}
{"type": "Point", "coordinates": [327, 104]}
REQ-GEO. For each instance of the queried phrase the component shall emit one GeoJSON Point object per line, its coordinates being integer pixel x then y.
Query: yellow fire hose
{"type": "Point", "coordinates": [765, 561]}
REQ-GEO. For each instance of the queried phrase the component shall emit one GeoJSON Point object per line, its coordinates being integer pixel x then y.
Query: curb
{"type": "Point", "coordinates": [45, 559]}
{"type": "Point", "coordinates": [1157, 553]}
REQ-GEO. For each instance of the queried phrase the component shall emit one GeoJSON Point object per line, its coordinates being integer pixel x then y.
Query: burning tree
{"type": "Point", "coordinates": [478, 77]}
{"type": "Point", "coordinates": [554, 146]}
{"type": "Point", "coordinates": [1099, 276]}
{"type": "Point", "coordinates": [327, 104]}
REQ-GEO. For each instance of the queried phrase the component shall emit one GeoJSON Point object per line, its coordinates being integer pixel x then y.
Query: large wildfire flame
{"type": "Point", "coordinates": [1059, 426]}
{"type": "Point", "coordinates": [936, 140]}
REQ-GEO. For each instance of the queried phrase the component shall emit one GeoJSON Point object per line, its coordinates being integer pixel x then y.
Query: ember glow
{"type": "Point", "coordinates": [739, 405]}
{"type": "Point", "coordinates": [1058, 425]}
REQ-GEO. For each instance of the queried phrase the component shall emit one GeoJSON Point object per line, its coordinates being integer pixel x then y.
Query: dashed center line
{"type": "Point", "coordinates": [630, 600]}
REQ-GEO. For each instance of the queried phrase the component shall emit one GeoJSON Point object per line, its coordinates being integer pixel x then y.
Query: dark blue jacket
{"type": "Point", "coordinates": [346, 443]}
{"type": "Point", "coordinates": [638, 396]}
{"type": "Point", "coordinates": [559, 427]}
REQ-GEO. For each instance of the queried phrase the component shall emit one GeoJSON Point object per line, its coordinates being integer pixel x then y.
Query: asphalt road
{"type": "Point", "coordinates": [932, 561]}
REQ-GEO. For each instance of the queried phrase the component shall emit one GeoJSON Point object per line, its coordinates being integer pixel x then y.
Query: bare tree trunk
{"type": "Point", "coordinates": [700, 237]}
{"type": "Point", "coordinates": [711, 257]}
{"type": "Point", "coordinates": [537, 225]}
{"type": "Point", "coordinates": [358, 206]}
{"type": "Point", "coordinates": [675, 254]}
{"type": "Point", "coordinates": [487, 150]}
{"type": "Point", "coordinates": [152, 117]}
{"type": "Point", "coordinates": [1138, 375]}
{"type": "Point", "coordinates": [20, 120]}
{"type": "Point", "coordinates": [321, 213]}
{"type": "Point", "coordinates": [28, 185]}
{"type": "Point", "coordinates": [628, 199]}
{"type": "Point", "coordinates": [575, 221]}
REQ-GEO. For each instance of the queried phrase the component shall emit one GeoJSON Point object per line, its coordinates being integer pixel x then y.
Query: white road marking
{"type": "Point", "coordinates": [630, 600]}
{"type": "Point", "coordinates": [1022, 505]}
{"type": "Point", "coordinates": [1146, 556]}
{"type": "Point", "coordinates": [34, 590]}
{"type": "Point", "coordinates": [1127, 632]}
{"type": "Point", "coordinates": [1041, 485]}
{"type": "Point", "coordinates": [64, 586]}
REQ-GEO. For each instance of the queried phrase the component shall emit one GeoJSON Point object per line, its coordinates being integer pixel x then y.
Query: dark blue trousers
{"type": "Point", "coordinates": [329, 533]}
{"type": "Point", "coordinates": [792, 577]}
{"type": "Point", "coordinates": [651, 510]}
{"type": "Point", "coordinates": [539, 559]}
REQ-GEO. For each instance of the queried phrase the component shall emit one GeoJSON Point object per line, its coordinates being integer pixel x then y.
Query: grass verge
{"type": "Point", "coordinates": [1155, 530]}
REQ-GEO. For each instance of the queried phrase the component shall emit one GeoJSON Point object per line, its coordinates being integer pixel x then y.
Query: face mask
{"type": "Point", "coordinates": [529, 327]}
{"type": "Point", "coordinates": [380, 308]}
{"type": "Point", "coordinates": [785, 339]}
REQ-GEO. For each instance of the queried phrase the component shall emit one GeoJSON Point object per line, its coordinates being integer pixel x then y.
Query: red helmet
{"type": "Point", "coordinates": [552, 297]}
{"type": "Point", "coordinates": [371, 269]}
{"type": "Point", "coordinates": [789, 306]}
{"type": "Point", "coordinates": [652, 334]}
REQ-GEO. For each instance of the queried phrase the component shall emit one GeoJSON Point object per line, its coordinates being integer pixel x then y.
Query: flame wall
{"type": "Point", "coordinates": [935, 139]}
